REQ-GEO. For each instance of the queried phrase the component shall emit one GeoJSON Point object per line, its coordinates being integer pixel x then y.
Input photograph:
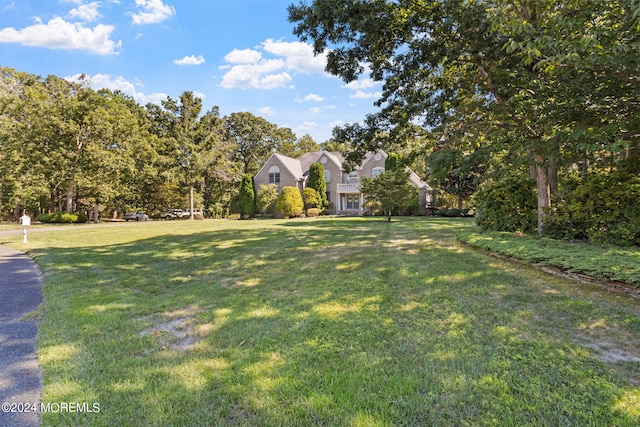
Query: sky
{"type": "Point", "coordinates": [239, 55]}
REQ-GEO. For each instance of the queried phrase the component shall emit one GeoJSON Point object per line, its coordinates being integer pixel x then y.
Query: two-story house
{"type": "Point", "coordinates": [343, 188]}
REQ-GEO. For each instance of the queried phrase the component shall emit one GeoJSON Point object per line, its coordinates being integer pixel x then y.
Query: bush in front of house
{"type": "Point", "coordinates": [289, 203]}
{"type": "Point", "coordinates": [266, 199]}
{"type": "Point", "coordinates": [63, 218]}
{"type": "Point", "coordinates": [312, 212]}
{"type": "Point", "coordinates": [310, 198]}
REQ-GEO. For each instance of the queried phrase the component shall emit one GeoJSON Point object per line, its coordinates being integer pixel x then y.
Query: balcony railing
{"type": "Point", "coordinates": [348, 188]}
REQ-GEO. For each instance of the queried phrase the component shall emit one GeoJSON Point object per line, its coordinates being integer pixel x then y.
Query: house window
{"type": "Point", "coordinates": [274, 175]}
{"type": "Point", "coordinates": [328, 196]}
{"type": "Point", "coordinates": [376, 171]}
{"type": "Point", "coordinates": [327, 176]}
{"type": "Point", "coordinates": [353, 202]}
{"type": "Point", "coordinates": [353, 177]}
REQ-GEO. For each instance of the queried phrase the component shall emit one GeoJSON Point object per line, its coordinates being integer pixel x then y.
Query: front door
{"type": "Point", "coordinates": [353, 202]}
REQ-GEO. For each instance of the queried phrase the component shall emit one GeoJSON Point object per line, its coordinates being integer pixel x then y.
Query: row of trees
{"type": "Point", "coordinates": [66, 147]}
{"type": "Point", "coordinates": [490, 91]}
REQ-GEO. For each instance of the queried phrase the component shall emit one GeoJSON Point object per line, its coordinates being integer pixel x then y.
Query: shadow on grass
{"type": "Point", "coordinates": [327, 322]}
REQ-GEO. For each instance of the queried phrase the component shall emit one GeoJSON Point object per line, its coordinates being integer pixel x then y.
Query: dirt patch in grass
{"type": "Point", "coordinates": [176, 330]}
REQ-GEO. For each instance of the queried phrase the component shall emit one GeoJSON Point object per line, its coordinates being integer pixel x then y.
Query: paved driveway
{"type": "Point", "coordinates": [20, 376]}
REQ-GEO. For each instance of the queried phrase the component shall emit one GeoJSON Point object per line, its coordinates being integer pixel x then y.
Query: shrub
{"type": "Point", "coordinates": [314, 212]}
{"type": "Point", "coordinates": [602, 208]}
{"type": "Point", "coordinates": [508, 204]}
{"type": "Point", "coordinates": [289, 203]}
{"type": "Point", "coordinates": [310, 198]}
{"type": "Point", "coordinates": [266, 199]}
{"type": "Point", "coordinates": [63, 218]}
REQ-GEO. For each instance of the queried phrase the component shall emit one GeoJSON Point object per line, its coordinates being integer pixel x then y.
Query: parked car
{"type": "Point", "coordinates": [135, 216]}
{"type": "Point", "coordinates": [181, 213]}
{"type": "Point", "coordinates": [175, 213]}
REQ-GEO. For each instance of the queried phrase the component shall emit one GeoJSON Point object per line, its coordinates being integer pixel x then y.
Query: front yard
{"type": "Point", "coordinates": [324, 322]}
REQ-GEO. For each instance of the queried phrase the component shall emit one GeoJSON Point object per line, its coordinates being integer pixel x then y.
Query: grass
{"type": "Point", "coordinates": [347, 322]}
{"type": "Point", "coordinates": [605, 262]}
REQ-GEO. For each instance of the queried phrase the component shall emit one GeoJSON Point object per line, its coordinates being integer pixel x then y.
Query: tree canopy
{"type": "Point", "coordinates": [67, 147]}
{"type": "Point", "coordinates": [551, 84]}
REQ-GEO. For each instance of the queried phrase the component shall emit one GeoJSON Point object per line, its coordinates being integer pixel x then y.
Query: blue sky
{"type": "Point", "coordinates": [240, 55]}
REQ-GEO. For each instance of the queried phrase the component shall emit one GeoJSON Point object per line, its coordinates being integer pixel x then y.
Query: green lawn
{"type": "Point", "coordinates": [348, 322]}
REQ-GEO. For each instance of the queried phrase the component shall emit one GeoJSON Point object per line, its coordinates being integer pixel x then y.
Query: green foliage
{"type": "Point", "coordinates": [546, 82]}
{"type": "Point", "coordinates": [310, 198]}
{"type": "Point", "coordinates": [390, 189]}
{"type": "Point", "coordinates": [266, 199]}
{"type": "Point", "coordinates": [599, 207]}
{"type": "Point", "coordinates": [606, 263]}
{"type": "Point", "coordinates": [508, 204]}
{"type": "Point", "coordinates": [63, 218]}
{"type": "Point", "coordinates": [393, 162]}
{"type": "Point", "coordinates": [289, 203]}
{"type": "Point", "coordinates": [247, 197]}
{"type": "Point", "coordinates": [317, 182]}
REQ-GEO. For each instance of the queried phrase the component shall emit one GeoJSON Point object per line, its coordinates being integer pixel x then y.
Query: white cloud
{"type": "Point", "coordinates": [262, 75]}
{"type": "Point", "coordinates": [86, 12]}
{"type": "Point", "coordinates": [306, 127]}
{"type": "Point", "coordinates": [335, 124]}
{"type": "Point", "coordinates": [60, 34]}
{"type": "Point", "coordinates": [312, 97]}
{"type": "Point", "coordinates": [361, 84]}
{"type": "Point", "coordinates": [318, 110]}
{"type": "Point", "coordinates": [298, 56]}
{"type": "Point", "coordinates": [152, 12]}
{"type": "Point", "coordinates": [9, 7]}
{"type": "Point", "coordinates": [244, 56]}
{"type": "Point", "coordinates": [190, 60]}
{"type": "Point", "coordinates": [267, 111]}
{"type": "Point", "coordinates": [249, 69]}
{"type": "Point", "coordinates": [360, 94]}
{"type": "Point", "coordinates": [107, 81]}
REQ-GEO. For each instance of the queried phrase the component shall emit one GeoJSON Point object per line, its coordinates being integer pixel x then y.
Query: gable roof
{"type": "Point", "coordinates": [292, 165]}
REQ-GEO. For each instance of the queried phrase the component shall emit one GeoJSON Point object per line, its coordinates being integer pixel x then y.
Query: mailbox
{"type": "Point", "coordinates": [25, 220]}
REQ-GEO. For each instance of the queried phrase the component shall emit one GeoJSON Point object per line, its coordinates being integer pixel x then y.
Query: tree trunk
{"type": "Point", "coordinates": [191, 201]}
{"type": "Point", "coordinates": [95, 213]}
{"type": "Point", "coordinates": [585, 167]}
{"type": "Point", "coordinates": [553, 176]}
{"type": "Point", "coordinates": [544, 195]}
{"type": "Point", "coordinates": [70, 196]}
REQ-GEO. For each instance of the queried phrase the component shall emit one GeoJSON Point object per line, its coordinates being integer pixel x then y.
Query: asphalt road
{"type": "Point", "coordinates": [20, 375]}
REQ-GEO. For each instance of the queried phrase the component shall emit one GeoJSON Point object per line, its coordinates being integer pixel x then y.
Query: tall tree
{"type": "Point", "coordinates": [254, 138]}
{"type": "Point", "coordinates": [185, 148]}
{"type": "Point", "coordinates": [317, 182]}
{"type": "Point", "coordinates": [541, 73]}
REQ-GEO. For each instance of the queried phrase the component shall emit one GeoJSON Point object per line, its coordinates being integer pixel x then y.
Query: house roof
{"type": "Point", "coordinates": [293, 165]}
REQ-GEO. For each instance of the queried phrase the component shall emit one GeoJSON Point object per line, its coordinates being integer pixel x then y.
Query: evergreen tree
{"type": "Point", "coordinates": [247, 197]}
{"type": "Point", "coordinates": [317, 182]}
